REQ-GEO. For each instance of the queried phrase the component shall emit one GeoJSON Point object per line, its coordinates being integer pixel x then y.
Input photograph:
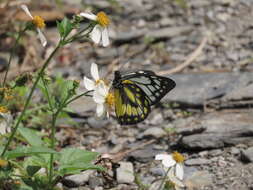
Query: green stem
{"type": "Point", "coordinates": [20, 33]}
{"type": "Point", "coordinates": [73, 99]}
{"type": "Point", "coordinates": [52, 136]}
{"type": "Point", "coordinates": [29, 98]}
{"type": "Point", "coordinates": [47, 94]}
{"type": "Point", "coordinates": [165, 177]}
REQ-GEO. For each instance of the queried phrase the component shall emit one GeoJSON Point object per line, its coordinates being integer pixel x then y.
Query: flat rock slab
{"type": "Point", "coordinates": [197, 89]}
{"type": "Point", "coordinates": [221, 129]}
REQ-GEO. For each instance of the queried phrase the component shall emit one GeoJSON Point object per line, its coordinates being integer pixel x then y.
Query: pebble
{"type": "Point", "coordinates": [77, 179]}
{"type": "Point", "coordinates": [197, 161]}
{"type": "Point", "coordinates": [235, 151]}
{"type": "Point", "coordinates": [95, 182]}
{"type": "Point", "coordinates": [155, 132]}
{"type": "Point", "coordinates": [125, 173]}
{"type": "Point", "coordinates": [247, 155]}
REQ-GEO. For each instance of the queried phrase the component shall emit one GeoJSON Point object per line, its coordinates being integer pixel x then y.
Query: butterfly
{"type": "Point", "coordinates": [136, 92]}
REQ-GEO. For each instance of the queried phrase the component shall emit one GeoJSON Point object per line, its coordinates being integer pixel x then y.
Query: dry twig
{"type": "Point", "coordinates": [188, 60]}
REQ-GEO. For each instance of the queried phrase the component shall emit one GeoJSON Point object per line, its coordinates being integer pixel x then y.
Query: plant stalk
{"type": "Point", "coordinates": [29, 98]}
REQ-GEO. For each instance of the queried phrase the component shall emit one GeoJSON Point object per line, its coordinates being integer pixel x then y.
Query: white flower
{"type": "Point", "coordinates": [173, 161]}
{"type": "Point", "coordinates": [38, 22]}
{"type": "Point", "coordinates": [100, 31]}
{"type": "Point", "coordinates": [178, 184]}
{"type": "Point", "coordinates": [104, 99]}
{"type": "Point", "coordinates": [92, 84]}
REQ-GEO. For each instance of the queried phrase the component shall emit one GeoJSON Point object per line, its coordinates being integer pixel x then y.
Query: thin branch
{"type": "Point", "coordinates": [188, 60]}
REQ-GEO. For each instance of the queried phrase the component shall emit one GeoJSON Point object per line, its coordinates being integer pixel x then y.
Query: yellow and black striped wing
{"type": "Point", "coordinates": [155, 87]}
{"type": "Point", "coordinates": [131, 104]}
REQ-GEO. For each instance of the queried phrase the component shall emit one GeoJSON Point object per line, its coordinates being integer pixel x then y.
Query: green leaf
{"type": "Point", "coordinates": [31, 170]}
{"type": "Point", "coordinates": [29, 151]}
{"type": "Point", "coordinates": [71, 156]}
{"type": "Point", "coordinates": [60, 28]}
{"type": "Point", "coordinates": [64, 27]}
{"type": "Point", "coordinates": [77, 168]}
{"type": "Point", "coordinates": [31, 136]}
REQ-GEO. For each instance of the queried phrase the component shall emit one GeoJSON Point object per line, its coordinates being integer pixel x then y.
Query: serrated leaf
{"type": "Point", "coordinates": [31, 136]}
{"type": "Point", "coordinates": [77, 168]}
{"type": "Point", "coordinates": [71, 156]}
{"type": "Point", "coordinates": [28, 151]}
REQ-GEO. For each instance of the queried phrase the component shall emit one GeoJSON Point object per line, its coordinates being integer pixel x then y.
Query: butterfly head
{"type": "Point", "coordinates": [117, 79]}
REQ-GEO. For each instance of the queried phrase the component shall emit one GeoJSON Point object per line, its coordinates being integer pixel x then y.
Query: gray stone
{"type": "Point", "coordinates": [77, 179]}
{"type": "Point", "coordinates": [197, 161]}
{"type": "Point", "coordinates": [198, 179]}
{"type": "Point", "coordinates": [169, 32]}
{"type": "Point", "coordinates": [247, 155]}
{"type": "Point", "coordinates": [198, 89]}
{"type": "Point", "coordinates": [235, 151]}
{"type": "Point", "coordinates": [155, 132]}
{"type": "Point", "coordinates": [97, 122]}
{"type": "Point", "coordinates": [222, 129]}
{"type": "Point", "coordinates": [95, 182]}
{"type": "Point", "coordinates": [125, 173]}
{"type": "Point", "coordinates": [124, 37]}
{"type": "Point", "coordinates": [157, 171]}
{"type": "Point", "coordinates": [144, 155]}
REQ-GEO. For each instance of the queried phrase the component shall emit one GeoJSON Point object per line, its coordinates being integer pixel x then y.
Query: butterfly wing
{"type": "Point", "coordinates": [155, 87]}
{"type": "Point", "coordinates": [131, 104]}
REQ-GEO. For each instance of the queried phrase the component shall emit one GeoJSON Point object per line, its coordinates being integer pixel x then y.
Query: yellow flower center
{"type": "Point", "coordinates": [103, 19]}
{"type": "Point", "coordinates": [110, 99]}
{"type": "Point", "coordinates": [3, 163]}
{"type": "Point", "coordinates": [38, 22]}
{"type": "Point", "coordinates": [99, 81]}
{"type": "Point", "coordinates": [179, 158]}
{"type": "Point", "coordinates": [3, 109]}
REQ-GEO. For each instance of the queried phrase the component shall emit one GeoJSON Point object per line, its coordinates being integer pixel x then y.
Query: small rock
{"type": "Point", "coordinates": [77, 179]}
{"type": "Point", "coordinates": [223, 16]}
{"type": "Point", "coordinates": [169, 32]}
{"type": "Point", "coordinates": [235, 151]}
{"type": "Point", "coordinates": [157, 171]}
{"type": "Point", "coordinates": [97, 123]}
{"type": "Point", "coordinates": [146, 154]}
{"type": "Point", "coordinates": [156, 119]}
{"type": "Point", "coordinates": [124, 37]}
{"type": "Point", "coordinates": [247, 155]}
{"type": "Point", "coordinates": [166, 22]}
{"type": "Point", "coordinates": [203, 153]}
{"type": "Point", "coordinates": [197, 161]}
{"type": "Point", "coordinates": [125, 173]}
{"type": "Point", "coordinates": [216, 152]}
{"type": "Point", "coordinates": [198, 179]}
{"type": "Point", "coordinates": [95, 182]}
{"type": "Point", "coordinates": [155, 132]}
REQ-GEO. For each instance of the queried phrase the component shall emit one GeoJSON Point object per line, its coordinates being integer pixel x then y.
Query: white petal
{"type": "Point", "coordinates": [162, 156]}
{"type": "Point", "coordinates": [168, 162]}
{"type": "Point", "coordinates": [105, 37]}
{"type": "Point", "coordinates": [89, 16]}
{"type": "Point", "coordinates": [179, 171]}
{"type": "Point", "coordinates": [94, 71]}
{"type": "Point", "coordinates": [100, 110]}
{"type": "Point", "coordinates": [98, 98]}
{"type": "Point", "coordinates": [174, 179]}
{"type": "Point", "coordinates": [96, 34]}
{"type": "Point", "coordinates": [103, 89]}
{"type": "Point", "coordinates": [43, 39]}
{"type": "Point", "coordinates": [88, 84]}
{"type": "Point", "coordinates": [25, 8]}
